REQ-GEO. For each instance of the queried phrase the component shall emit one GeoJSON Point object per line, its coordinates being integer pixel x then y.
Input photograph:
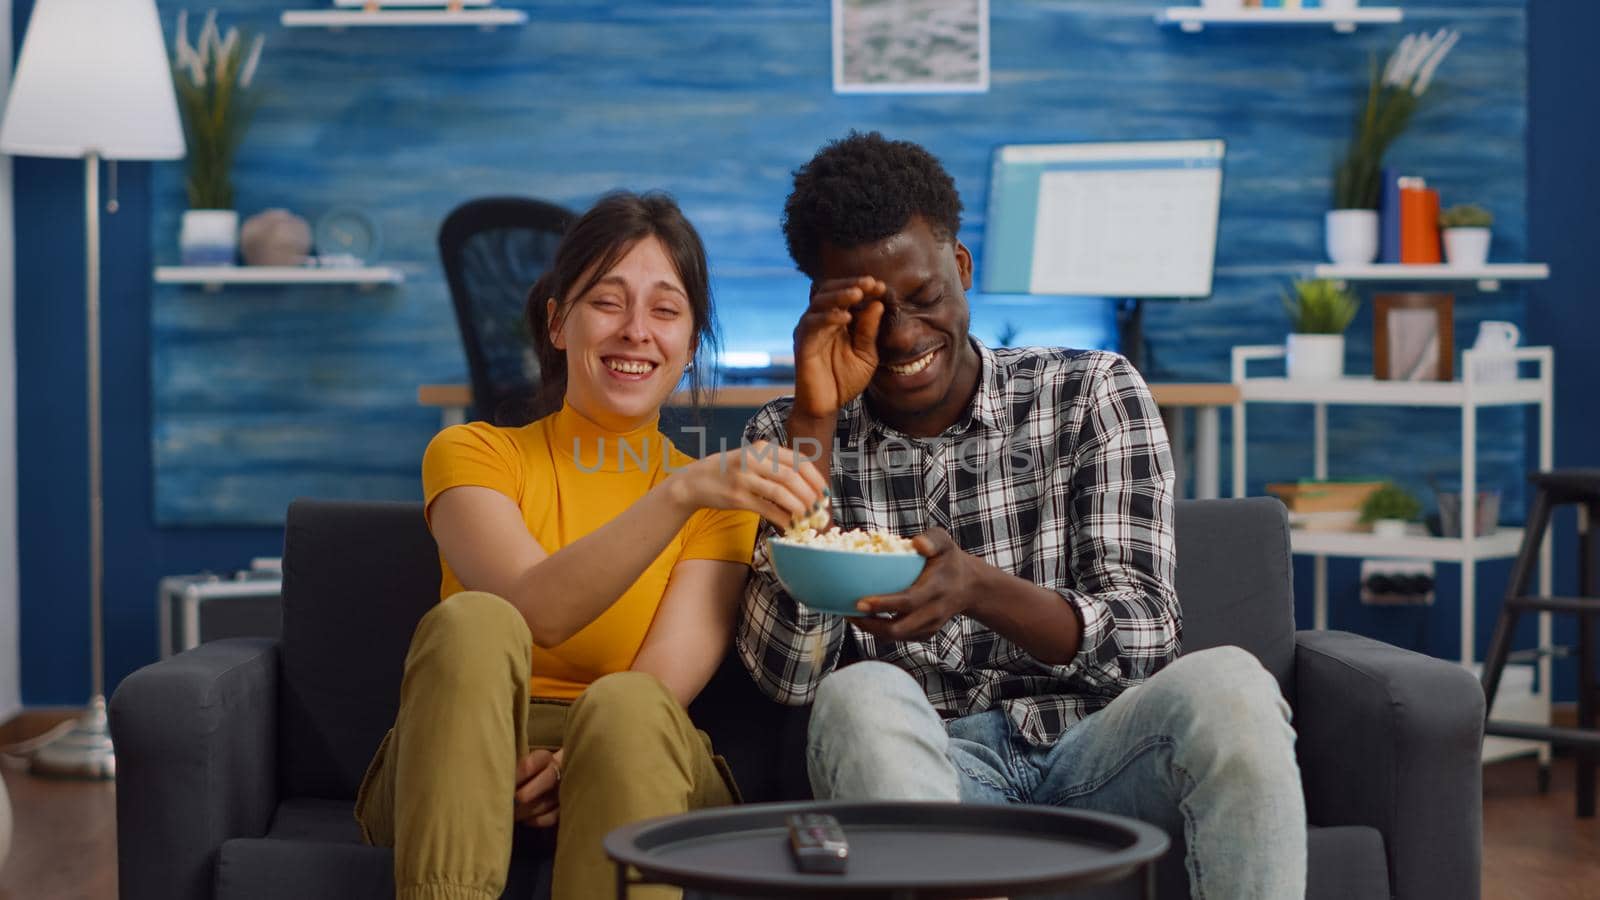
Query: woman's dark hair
{"type": "Point", "coordinates": [861, 189]}
{"type": "Point", "coordinates": [592, 246]}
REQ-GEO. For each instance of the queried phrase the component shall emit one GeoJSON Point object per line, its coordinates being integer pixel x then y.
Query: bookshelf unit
{"type": "Point", "coordinates": [1468, 396]}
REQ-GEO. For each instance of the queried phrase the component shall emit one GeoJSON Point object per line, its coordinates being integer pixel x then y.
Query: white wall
{"type": "Point", "coordinates": [10, 654]}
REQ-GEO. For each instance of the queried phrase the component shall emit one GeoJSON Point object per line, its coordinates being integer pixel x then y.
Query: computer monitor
{"type": "Point", "coordinates": [1123, 220]}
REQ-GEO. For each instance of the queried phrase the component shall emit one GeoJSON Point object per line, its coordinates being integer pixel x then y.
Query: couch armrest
{"type": "Point", "coordinates": [197, 751]}
{"type": "Point", "coordinates": [1394, 739]}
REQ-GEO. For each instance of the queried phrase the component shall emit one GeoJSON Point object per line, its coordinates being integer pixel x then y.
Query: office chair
{"type": "Point", "coordinates": [493, 250]}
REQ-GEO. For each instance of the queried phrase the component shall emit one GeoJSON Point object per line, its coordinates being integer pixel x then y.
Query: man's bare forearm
{"type": "Point", "coordinates": [810, 435]}
{"type": "Point", "coordinates": [1034, 618]}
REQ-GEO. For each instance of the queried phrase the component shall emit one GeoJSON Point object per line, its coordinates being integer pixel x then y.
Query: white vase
{"type": "Point", "coordinates": [209, 237]}
{"type": "Point", "coordinates": [1352, 235]}
{"type": "Point", "coordinates": [1466, 247]}
{"type": "Point", "coordinates": [1389, 527]}
{"type": "Point", "coordinates": [1316, 357]}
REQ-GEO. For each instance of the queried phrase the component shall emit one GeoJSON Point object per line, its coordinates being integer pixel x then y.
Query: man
{"type": "Point", "coordinates": [1035, 660]}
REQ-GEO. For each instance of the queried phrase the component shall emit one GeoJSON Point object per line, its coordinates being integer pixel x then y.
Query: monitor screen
{"type": "Point", "coordinates": [1134, 219]}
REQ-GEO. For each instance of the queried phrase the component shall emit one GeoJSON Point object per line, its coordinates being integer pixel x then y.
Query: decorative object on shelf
{"type": "Point", "coordinates": [1221, 4]}
{"type": "Point", "coordinates": [1466, 234]}
{"type": "Point", "coordinates": [1319, 312]}
{"type": "Point", "coordinates": [347, 236]}
{"type": "Point", "coordinates": [1485, 520]}
{"type": "Point", "coordinates": [1392, 97]}
{"type": "Point", "coordinates": [1389, 509]}
{"type": "Point", "coordinates": [1413, 337]}
{"type": "Point", "coordinates": [213, 78]}
{"type": "Point", "coordinates": [275, 237]}
{"type": "Point", "coordinates": [1397, 582]}
{"type": "Point", "coordinates": [91, 81]}
{"type": "Point", "coordinates": [1419, 222]}
{"type": "Point", "coordinates": [1324, 505]}
{"type": "Point", "coordinates": [1496, 337]}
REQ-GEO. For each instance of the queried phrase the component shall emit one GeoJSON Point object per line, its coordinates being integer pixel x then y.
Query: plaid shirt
{"type": "Point", "coordinates": [1059, 473]}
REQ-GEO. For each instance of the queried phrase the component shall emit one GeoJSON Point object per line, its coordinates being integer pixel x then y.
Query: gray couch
{"type": "Point", "coordinates": [240, 759]}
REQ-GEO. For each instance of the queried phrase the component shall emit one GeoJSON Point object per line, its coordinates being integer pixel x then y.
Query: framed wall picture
{"type": "Point", "coordinates": [1413, 337]}
{"type": "Point", "coordinates": [910, 46]}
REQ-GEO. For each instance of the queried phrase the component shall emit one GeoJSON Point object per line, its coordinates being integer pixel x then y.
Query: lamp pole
{"type": "Point", "coordinates": [86, 750]}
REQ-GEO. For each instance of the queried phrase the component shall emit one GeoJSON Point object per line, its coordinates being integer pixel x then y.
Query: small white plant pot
{"type": "Point", "coordinates": [1351, 235]}
{"type": "Point", "coordinates": [1389, 527]}
{"type": "Point", "coordinates": [1466, 247]}
{"type": "Point", "coordinates": [1316, 357]}
{"type": "Point", "coordinates": [1339, 5]}
{"type": "Point", "coordinates": [209, 237]}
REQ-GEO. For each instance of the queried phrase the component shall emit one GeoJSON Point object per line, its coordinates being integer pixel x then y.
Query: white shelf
{"type": "Point", "coordinates": [1488, 277]}
{"type": "Point", "coordinates": [413, 18]}
{"type": "Point", "coordinates": [214, 277]}
{"type": "Point", "coordinates": [1502, 544]}
{"type": "Point", "coordinates": [1196, 18]}
{"type": "Point", "coordinates": [1366, 391]}
{"type": "Point", "coordinates": [409, 4]}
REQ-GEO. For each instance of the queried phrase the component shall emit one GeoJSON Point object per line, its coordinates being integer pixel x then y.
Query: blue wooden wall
{"type": "Point", "coordinates": [261, 395]}
{"type": "Point", "coordinates": [221, 406]}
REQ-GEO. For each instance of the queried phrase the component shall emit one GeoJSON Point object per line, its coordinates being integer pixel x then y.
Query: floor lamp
{"type": "Point", "coordinates": [93, 82]}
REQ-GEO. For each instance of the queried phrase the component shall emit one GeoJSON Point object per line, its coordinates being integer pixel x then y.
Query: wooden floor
{"type": "Point", "coordinates": [65, 843]}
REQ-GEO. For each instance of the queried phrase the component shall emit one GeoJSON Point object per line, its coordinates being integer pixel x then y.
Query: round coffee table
{"type": "Point", "coordinates": [897, 850]}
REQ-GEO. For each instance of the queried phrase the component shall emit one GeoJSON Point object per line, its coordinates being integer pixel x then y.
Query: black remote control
{"type": "Point", "coordinates": [818, 844]}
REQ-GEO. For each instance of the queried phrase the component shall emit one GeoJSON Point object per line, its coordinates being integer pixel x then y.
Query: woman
{"type": "Point", "coordinates": [591, 576]}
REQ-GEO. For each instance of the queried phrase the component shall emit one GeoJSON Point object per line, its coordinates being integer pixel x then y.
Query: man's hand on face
{"type": "Point", "coordinates": [836, 344]}
{"type": "Point", "coordinates": [947, 586]}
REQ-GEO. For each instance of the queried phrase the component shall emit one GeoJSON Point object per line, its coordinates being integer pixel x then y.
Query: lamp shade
{"type": "Point", "coordinates": [93, 77]}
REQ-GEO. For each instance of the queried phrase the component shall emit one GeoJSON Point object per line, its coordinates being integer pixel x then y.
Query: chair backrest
{"type": "Point", "coordinates": [1235, 581]}
{"type": "Point", "coordinates": [357, 577]}
{"type": "Point", "coordinates": [493, 250]}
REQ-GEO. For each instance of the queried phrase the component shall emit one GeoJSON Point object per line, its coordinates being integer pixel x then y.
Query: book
{"type": "Point", "coordinates": [1419, 223]}
{"type": "Point", "coordinates": [1324, 496]}
{"type": "Point", "coordinates": [1389, 217]}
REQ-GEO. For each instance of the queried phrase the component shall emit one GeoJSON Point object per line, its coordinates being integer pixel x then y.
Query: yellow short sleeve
{"type": "Point", "coordinates": [725, 534]}
{"type": "Point", "coordinates": [477, 454]}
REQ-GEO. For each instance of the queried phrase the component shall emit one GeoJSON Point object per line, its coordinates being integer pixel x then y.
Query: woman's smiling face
{"type": "Point", "coordinates": [628, 338]}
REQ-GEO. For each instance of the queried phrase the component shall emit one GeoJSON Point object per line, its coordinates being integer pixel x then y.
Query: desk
{"type": "Point", "coordinates": [1205, 398]}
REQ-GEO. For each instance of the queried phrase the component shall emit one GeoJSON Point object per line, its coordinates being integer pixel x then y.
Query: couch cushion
{"type": "Point", "coordinates": [357, 577]}
{"type": "Point", "coordinates": [313, 851]}
{"type": "Point", "coordinates": [1235, 582]}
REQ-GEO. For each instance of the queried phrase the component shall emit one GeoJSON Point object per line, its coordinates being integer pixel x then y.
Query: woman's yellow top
{"type": "Point", "coordinates": [569, 477]}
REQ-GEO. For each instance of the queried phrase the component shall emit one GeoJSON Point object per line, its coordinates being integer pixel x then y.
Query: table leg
{"type": "Point", "coordinates": [1178, 441]}
{"type": "Point", "coordinates": [1149, 881]}
{"type": "Point", "coordinates": [1207, 453]}
{"type": "Point", "coordinates": [622, 882]}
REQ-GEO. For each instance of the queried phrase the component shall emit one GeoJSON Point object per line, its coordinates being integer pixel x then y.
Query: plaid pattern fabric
{"type": "Point", "coordinates": [1058, 473]}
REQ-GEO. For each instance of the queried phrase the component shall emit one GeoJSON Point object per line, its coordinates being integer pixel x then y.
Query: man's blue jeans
{"type": "Point", "coordinates": [1203, 749]}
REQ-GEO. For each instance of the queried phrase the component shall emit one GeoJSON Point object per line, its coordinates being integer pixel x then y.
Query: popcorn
{"type": "Point", "coordinates": [855, 540]}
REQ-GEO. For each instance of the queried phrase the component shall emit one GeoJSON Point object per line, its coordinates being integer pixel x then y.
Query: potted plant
{"type": "Point", "coordinates": [1389, 509]}
{"type": "Point", "coordinates": [1466, 234]}
{"type": "Point", "coordinates": [1392, 97]}
{"type": "Point", "coordinates": [1319, 312]}
{"type": "Point", "coordinates": [213, 77]}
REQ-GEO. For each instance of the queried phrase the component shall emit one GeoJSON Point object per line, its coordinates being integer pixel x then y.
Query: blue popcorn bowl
{"type": "Point", "coordinates": [831, 581]}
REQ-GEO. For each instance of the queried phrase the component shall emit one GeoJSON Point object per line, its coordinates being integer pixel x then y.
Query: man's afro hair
{"type": "Point", "coordinates": [862, 189]}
